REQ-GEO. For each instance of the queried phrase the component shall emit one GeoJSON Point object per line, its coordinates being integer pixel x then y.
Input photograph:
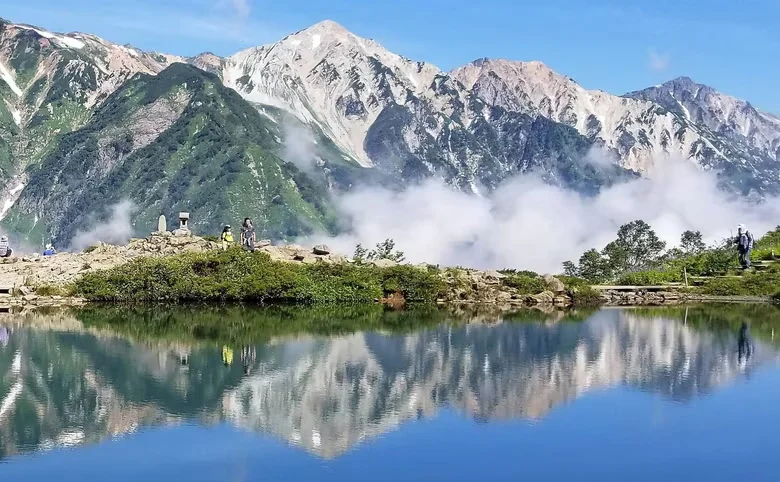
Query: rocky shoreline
{"type": "Point", "coordinates": [41, 281]}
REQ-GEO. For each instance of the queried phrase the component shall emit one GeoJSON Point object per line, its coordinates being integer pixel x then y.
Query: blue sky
{"type": "Point", "coordinates": [617, 46]}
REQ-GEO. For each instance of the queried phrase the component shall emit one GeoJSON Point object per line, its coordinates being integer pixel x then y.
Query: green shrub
{"type": "Point", "coordinates": [574, 282]}
{"type": "Point", "coordinates": [649, 278]}
{"type": "Point", "coordinates": [414, 283]}
{"type": "Point", "coordinates": [776, 298]}
{"type": "Point", "coordinates": [762, 283]}
{"type": "Point", "coordinates": [525, 284]}
{"type": "Point", "coordinates": [585, 296]}
{"type": "Point", "coordinates": [525, 272]}
{"type": "Point", "coordinates": [52, 290]}
{"type": "Point", "coordinates": [237, 274]}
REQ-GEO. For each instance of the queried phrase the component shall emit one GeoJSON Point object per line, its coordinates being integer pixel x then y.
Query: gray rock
{"type": "Point", "coordinates": [384, 263]}
{"type": "Point", "coordinates": [543, 298]}
{"type": "Point", "coordinates": [262, 243]}
{"type": "Point", "coordinates": [162, 224]}
{"type": "Point", "coordinates": [321, 250]}
{"type": "Point", "coordinates": [554, 284]}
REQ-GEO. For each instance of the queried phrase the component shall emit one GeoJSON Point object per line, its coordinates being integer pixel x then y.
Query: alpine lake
{"type": "Point", "coordinates": [239, 393]}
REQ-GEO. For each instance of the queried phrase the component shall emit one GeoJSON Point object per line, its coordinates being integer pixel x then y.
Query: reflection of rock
{"type": "Point", "coordinates": [328, 394]}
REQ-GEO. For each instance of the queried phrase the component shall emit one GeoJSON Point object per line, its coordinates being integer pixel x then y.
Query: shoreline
{"type": "Point", "coordinates": [173, 269]}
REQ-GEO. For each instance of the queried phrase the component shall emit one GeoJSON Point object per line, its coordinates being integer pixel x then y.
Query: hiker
{"type": "Point", "coordinates": [248, 235]}
{"type": "Point", "coordinates": [5, 250]}
{"type": "Point", "coordinates": [744, 343]}
{"type": "Point", "coordinates": [49, 251]}
{"type": "Point", "coordinates": [227, 237]}
{"type": "Point", "coordinates": [744, 244]}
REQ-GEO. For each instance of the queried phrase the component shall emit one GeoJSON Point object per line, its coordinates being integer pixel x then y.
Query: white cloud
{"type": "Point", "coordinates": [117, 229]}
{"type": "Point", "coordinates": [299, 146]}
{"type": "Point", "coordinates": [527, 224]}
{"type": "Point", "coordinates": [240, 8]}
{"type": "Point", "coordinates": [658, 62]}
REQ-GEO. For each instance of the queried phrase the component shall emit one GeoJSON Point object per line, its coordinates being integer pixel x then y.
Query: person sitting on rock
{"type": "Point", "coordinates": [5, 249]}
{"type": "Point", "coordinates": [248, 235]}
{"type": "Point", "coordinates": [226, 237]}
{"type": "Point", "coordinates": [49, 251]}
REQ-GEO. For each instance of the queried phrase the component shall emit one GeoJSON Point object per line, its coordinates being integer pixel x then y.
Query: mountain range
{"type": "Point", "coordinates": [274, 131]}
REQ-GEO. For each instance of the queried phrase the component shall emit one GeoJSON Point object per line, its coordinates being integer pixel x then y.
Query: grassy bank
{"type": "Point", "coordinates": [237, 275]}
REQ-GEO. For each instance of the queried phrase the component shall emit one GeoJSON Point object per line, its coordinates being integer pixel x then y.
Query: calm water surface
{"type": "Point", "coordinates": [240, 394]}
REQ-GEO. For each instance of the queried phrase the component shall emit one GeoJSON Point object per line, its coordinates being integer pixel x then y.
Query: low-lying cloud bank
{"type": "Point", "coordinates": [117, 229]}
{"type": "Point", "coordinates": [527, 224]}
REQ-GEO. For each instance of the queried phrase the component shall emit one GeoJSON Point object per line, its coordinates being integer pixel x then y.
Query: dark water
{"type": "Point", "coordinates": [360, 394]}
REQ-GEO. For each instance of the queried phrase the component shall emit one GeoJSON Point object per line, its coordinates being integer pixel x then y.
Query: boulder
{"type": "Point", "coordinates": [384, 263]}
{"type": "Point", "coordinates": [262, 243]}
{"type": "Point", "coordinates": [321, 250]}
{"type": "Point", "coordinates": [554, 284]}
{"type": "Point", "coordinates": [543, 298]}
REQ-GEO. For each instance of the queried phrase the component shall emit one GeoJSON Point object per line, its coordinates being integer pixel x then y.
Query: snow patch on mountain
{"type": "Point", "coordinates": [68, 41]}
{"type": "Point", "coordinates": [5, 74]}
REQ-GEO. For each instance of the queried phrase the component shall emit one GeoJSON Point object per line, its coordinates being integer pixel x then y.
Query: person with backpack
{"type": "Point", "coordinates": [226, 238]}
{"type": "Point", "coordinates": [248, 235]}
{"type": "Point", "coordinates": [744, 244]}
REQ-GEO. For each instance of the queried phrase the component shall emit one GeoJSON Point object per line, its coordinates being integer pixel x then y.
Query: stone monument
{"type": "Point", "coordinates": [184, 228]}
{"type": "Point", "coordinates": [162, 224]}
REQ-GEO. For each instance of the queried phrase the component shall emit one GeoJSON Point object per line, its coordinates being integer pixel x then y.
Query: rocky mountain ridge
{"type": "Point", "coordinates": [343, 110]}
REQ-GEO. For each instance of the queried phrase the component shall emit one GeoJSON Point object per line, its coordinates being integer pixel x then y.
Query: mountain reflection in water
{"type": "Point", "coordinates": [70, 378]}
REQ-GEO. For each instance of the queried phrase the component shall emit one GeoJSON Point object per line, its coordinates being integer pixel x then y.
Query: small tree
{"type": "Point", "coordinates": [691, 242]}
{"type": "Point", "coordinates": [570, 269]}
{"type": "Point", "coordinates": [383, 250]}
{"type": "Point", "coordinates": [636, 247]}
{"type": "Point", "coordinates": [360, 254]}
{"type": "Point", "coordinates": [594, 267]}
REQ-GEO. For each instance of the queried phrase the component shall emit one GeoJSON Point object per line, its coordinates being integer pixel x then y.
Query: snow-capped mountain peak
{"type": "Point", "coordinates": [330, 77]}
{"type": "Point", "coordinates": [754, 132]}
{"type": "Point", "coordinates": [632, 128]}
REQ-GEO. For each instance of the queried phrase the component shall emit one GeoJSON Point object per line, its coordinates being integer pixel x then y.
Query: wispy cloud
{"type": "Point", "coordinates": [239, 8]}
{"type": "Point", "coordinates": [658, 62]}
{"type": "Point", "coordinates": [166, 26]}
